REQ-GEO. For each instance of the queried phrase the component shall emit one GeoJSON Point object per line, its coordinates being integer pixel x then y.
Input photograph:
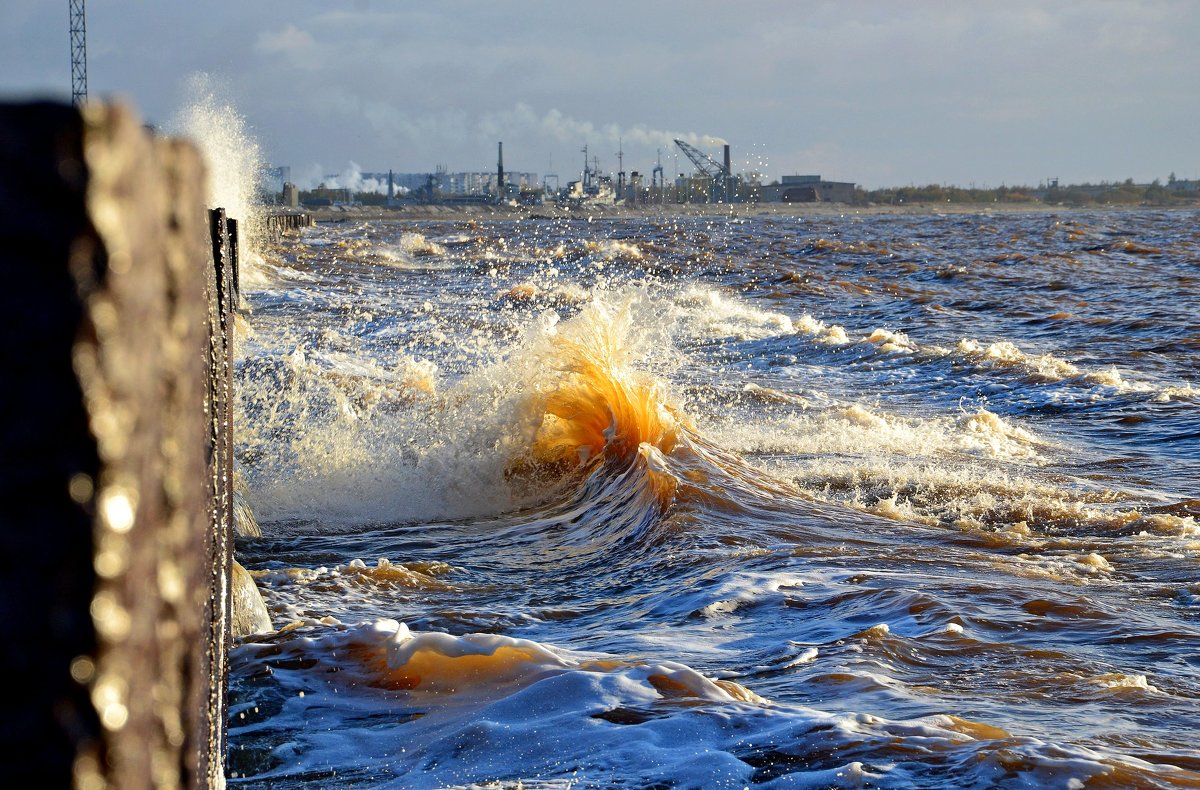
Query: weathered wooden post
{"type": "Point", "coordinates": [231, 228]}
{"type": "Point", "coordinates": [275, 225]}
{"type": "Point", "coordinates": [224, 232]}
{"type": "Point", "coordinates": [117, 447]}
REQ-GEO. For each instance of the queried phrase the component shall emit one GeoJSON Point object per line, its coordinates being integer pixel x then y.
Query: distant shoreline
{"type": "Point", "coordinates": [476, 211]}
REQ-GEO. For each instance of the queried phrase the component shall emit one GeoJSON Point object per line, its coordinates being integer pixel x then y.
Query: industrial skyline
{"type": "Point", "coordinates": [875, 92]}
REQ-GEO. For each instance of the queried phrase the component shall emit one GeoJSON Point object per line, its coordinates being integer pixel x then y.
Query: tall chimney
{"type": "Point", "coordinates": [500, 172]}
{"type": "Point", "coordinates": [727, 178]}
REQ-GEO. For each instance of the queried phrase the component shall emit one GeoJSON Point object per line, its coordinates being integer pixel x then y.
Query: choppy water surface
{"type": "Point", "coordinates": [715, 502]}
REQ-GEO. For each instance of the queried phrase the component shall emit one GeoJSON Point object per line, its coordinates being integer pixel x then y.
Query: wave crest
{"type": "Point", "coordinates": [592, 402]}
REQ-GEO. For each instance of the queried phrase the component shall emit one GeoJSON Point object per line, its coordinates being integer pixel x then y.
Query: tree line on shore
{"type": "Point", "coordinates": [1125, 193]}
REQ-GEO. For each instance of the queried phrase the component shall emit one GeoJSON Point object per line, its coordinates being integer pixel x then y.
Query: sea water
{"type": "Point", "coordinates": [721, 501]}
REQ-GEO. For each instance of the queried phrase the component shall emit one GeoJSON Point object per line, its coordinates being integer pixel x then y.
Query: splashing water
{"type": "Point", "coordinates": [232, 155]}
{"type": "Point", "coordinates": [861, 501]}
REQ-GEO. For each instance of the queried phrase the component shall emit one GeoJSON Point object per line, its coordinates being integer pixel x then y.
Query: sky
{"type": "Point", "coordinates": [878, 92]}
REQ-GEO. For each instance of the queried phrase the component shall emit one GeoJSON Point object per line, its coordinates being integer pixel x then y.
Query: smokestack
{"type": "Point", "coordinates": [500, 172]}
{"type": "Point", "coordinates": [391, 188]}
{"type": "Point", "coordinates": [726, 178]}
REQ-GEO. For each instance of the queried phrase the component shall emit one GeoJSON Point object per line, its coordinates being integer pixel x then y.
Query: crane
{"type": "Point", "coordinates": [620, 167]}
{"type": "Point", "coordinates": [721, 185]}
{"type": "Point", "coordinates": [703, 162]}
{"type": "Point", "coordinates": [78, 53]}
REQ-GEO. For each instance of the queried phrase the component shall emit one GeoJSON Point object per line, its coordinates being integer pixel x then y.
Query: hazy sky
{"type": "Point", "coordinates": [877, 92]}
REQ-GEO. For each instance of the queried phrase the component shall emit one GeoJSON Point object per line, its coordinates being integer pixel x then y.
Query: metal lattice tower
{"type": "Point", "coordinates": [78, 54]}
{"type": "Point", "coordinates": [703, 162]}
{"type": "Point", "coordinates": [722, 188]}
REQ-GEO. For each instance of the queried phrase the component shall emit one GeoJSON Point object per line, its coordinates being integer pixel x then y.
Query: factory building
{"type": "Point", "coordinates": [485, 182]}
{"type": "Point", "coordinates": [291, 195]}
{"type": "Point", "coordinates": [401, 182]}
{"type": "Point", "coordinates": [806, 189]}
{"type": "Point", "coordinates": [272, 179]}
{"type": "Point", "coordinates": [465, 183]}
{"type": "Point", "coordinates": [328, 196]}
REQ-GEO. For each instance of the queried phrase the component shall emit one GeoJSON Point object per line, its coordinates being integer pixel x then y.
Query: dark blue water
{"type": "Point", "coordinates": [878, 501]}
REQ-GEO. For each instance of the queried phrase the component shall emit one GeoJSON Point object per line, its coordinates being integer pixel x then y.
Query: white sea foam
{"type": "Point", "coordinates": [487, 706]}
{"type": "Point", "coordinates": [1120, 682]}
{"type": "Point", "coordinates": [833, 335]}
{"type": "Point", "coordinates": [861, 430]}
{"type": "Point", "coordinates": [614, 249]}
{"type": "Point", "coordinates": [974, 471]}
{"type": "Point", "coordinates": [330, 446]}
{"type": "Point", "coordinates": [343, 439]}
{"type": "Point", "coordinates": [1184, 392]}
{"type": "Point", "coordinates": [887, 340]}
{"type": "Point", "coordinates": [410, 248]}
{"type": "Point", "coordinates": [999, 355]}
{"type": "Point", "coordinates": [231, 153]}
{"type": "Point", "coordinates": [711, 314]}
{"type": "Point", "coordinates": [747, 590]}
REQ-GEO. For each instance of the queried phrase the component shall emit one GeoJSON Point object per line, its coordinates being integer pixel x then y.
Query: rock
{"type": "Point", "coordinates": [245, 525]}
{"type": "Point", "coordinates": [250, 614]}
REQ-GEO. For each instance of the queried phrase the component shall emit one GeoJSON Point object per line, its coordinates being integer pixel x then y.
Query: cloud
{"type": "Point", "coordinates": [521, 119]}
{"type": "Point", "coordinates": [289, 41]}
{"type": "Point", "coordinates": [522, 122]}
{"type": "Point", "coordinates": [389, 121]}
{"type": "Point", "coordinates": [525, 128]}
{"type": "Point", "coordinates": [878, 92]}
